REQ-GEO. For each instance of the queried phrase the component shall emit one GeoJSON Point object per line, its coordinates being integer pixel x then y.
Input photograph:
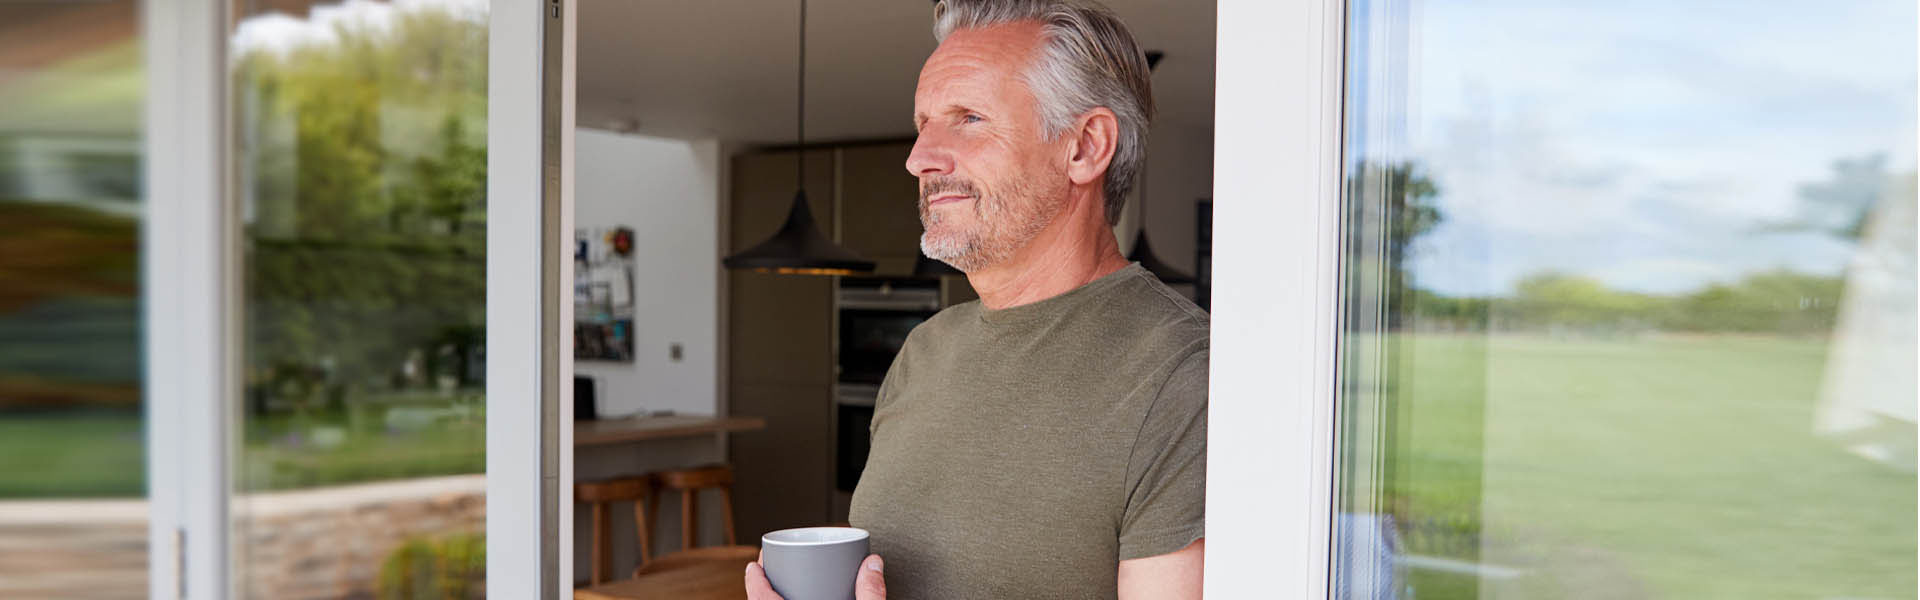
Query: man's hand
{"type": "Point", "coordinates": [869, 585]}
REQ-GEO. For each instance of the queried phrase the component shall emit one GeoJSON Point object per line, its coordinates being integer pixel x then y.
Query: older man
{"type": "Point", "coordinates": [1048, 440]}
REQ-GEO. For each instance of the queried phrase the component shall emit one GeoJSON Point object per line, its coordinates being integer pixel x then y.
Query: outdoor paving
{"type": "Point", "coordinates": [318, 543]}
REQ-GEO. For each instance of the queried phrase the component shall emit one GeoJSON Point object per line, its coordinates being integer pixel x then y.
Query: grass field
{"type": "Point", "coordinates": [1669, 468]}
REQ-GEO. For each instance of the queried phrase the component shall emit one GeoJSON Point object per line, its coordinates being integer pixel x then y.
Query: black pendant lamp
{"type": "Point", "coordinates": [1142, 251]}
{"type": "Point", "coordinates": [799, 248]}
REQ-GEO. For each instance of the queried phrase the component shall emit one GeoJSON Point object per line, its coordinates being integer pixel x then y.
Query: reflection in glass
{"type": "Point", "coordinates": [73, 519]}
{"type": "Point", "coordinates": [1629, 301]}
{"type": "Point", "coordinates": [360, 131]}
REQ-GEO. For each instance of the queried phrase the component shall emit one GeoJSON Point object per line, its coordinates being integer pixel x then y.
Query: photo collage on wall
{"type": "Point", "coordinates": [603, 294]}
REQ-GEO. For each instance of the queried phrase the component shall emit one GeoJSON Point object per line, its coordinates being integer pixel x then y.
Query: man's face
{"type": "Point", "coordinates": [990, 179]}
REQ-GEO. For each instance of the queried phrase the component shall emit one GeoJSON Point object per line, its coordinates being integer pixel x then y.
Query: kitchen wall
{"type": "Point", "coordinates": [1179, 171]}
{"type": "Point", "coordinates": [668, 192]}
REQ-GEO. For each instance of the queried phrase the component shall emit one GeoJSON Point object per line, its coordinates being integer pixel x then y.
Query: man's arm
{"type": "Point", "coordinates": [1168, 576]}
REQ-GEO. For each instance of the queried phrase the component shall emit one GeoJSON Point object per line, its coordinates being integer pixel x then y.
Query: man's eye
{"type": "Point", "coordinates": [971, 119]}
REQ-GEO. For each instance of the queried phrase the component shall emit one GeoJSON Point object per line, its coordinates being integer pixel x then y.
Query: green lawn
{"type": "Point", "coordinates": [101, 453]}
{"type": "Point", "coordinates": [1674, 468]}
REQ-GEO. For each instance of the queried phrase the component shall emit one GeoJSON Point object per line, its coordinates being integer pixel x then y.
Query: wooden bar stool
{"type": "Point", "coordinates": [689, 482]}
{"type": "Point", "coordinates": [639, 491]}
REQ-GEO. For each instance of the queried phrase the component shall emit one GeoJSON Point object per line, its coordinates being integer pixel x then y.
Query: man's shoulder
{"type": "Point", "coordinates": [1157, 315]}
{"type": "Point", "coordinates": [949, 319]}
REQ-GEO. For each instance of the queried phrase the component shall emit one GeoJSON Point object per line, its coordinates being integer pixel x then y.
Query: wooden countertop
{"type": "Point", "coordinates": [718, 580]}
{"type": "Point", "coordinates": [634, 429]}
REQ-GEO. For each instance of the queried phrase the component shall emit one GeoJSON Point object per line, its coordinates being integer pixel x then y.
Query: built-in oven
{"type": "Point", "coordinates": [876, 314]}
{"type": "Point", "coordinates": [875, 317]}
{"type": "Point", "coordinates": [853, 416]}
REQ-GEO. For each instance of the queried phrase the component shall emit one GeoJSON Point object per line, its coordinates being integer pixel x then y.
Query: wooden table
{"type": "Point", "coordinates": [717, 580]}
{"type": "Point", "coordinates": [634, 429]}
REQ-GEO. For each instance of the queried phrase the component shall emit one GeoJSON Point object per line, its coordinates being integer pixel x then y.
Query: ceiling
{"type": "Point", "coordinates": [725, 69]}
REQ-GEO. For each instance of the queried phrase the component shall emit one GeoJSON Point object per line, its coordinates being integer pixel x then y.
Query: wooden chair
{"type": "Point", "coordinates": [689, 482]}
{"type": "Point", "coordinates": [639, 491]}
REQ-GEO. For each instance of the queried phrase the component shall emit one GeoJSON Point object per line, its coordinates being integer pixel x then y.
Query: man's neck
{"type": "Point", "coordinates": [1076, 249]}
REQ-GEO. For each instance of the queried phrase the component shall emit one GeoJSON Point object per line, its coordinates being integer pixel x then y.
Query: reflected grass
{"type": "Point", "coordinates": [100, 454]}
{"type": "Point", "coordinates": [393, 436]}
{"type": "Point", "coordinates": [72, 454]}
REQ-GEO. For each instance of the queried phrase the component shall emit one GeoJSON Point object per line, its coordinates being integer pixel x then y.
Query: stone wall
{"type": "Point", "coordinates": [330, 542]}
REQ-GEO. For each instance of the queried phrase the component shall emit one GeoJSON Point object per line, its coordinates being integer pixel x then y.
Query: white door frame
{"type": "Point", "coordinates": [1277, 115]}
{"type": "Point", "coordinates": [189, 255]}
{"type": "Point", "coordinates": [530, 91]}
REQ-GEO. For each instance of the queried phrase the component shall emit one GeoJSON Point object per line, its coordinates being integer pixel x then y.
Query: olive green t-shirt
{"type": "Point", "coordinates": [1024, 452]}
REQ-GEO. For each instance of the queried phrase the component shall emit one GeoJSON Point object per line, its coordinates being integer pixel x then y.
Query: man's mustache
{"type": "Point", "coordinates": [945, 184]}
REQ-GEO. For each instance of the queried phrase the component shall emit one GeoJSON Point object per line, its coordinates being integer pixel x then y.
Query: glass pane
{"type": "Point", "coordinates": [360, 170]}
{"type": "Point", "coordinates": [1629, 301]}
{"type": "Point", "coordinates": [73, 518]}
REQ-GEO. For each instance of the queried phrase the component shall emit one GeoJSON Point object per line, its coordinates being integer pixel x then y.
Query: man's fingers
{"type": "Point", "coordinates": [758, 588]}
{"type": "Point", "coordinates": [871, 584]}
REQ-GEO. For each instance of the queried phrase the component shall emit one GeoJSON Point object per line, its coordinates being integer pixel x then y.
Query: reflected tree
{"type": "Point", "coordinates": [1839, 205]}
{"type": "Point", "coordinates": [1391, 206]}
{"type": "Point", "coordinates": [365, 177]}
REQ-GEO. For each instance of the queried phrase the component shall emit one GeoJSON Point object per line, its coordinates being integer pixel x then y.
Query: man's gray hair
{"type": "Point", "coordinates": [1089, 59]}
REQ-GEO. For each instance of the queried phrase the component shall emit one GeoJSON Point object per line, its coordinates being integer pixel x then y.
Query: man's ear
{"type": "Point", "coordinates": [1095, 136]}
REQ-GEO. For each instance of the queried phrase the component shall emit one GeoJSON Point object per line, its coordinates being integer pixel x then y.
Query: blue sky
{"type": "Point", "coordinates": [1642, 143]}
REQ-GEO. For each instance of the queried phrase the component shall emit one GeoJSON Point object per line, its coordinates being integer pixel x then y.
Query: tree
{"type": "Point", "coordinates": [366, 171]}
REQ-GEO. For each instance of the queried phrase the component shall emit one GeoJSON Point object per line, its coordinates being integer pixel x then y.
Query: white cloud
{"type": "Point", "coordinates": [279, 32]}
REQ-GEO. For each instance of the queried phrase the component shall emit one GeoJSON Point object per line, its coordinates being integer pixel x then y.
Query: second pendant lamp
{"type": "Point", "coordinates": [799, 248]}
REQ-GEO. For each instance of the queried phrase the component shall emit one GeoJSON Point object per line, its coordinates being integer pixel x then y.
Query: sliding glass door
{"type": "Point", "coordinates": [1626, 301]}
{"type": "Point", "coordinates": [351, 280]}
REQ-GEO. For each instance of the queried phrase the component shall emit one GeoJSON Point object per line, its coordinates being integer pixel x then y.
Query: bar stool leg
{"type": "Point", "coordinates": [602, 563]}
{"type": "Point", "coordinates": [726, 503]}
{"type": "Point", "coordinates": [687, 511]}
{"type": "Point", "coordinates": [643, 527]}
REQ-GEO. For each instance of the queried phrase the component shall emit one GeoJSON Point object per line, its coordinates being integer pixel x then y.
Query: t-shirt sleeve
{"type": "Point", "coordinates": [1167, 475]}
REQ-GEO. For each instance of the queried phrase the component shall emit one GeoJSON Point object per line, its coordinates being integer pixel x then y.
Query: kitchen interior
{"type": "Point", "coordinates": [745, 393]}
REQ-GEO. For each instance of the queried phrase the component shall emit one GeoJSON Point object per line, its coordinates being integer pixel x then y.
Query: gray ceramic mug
{"type": "Point", "coordinates": [814, 563]}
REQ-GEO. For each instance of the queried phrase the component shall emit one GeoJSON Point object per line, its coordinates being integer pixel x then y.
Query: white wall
{"type": "Point", "coordinates": [668, 192]}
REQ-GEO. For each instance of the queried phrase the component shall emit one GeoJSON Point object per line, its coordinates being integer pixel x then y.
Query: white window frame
{"type": "Point", "coordinates": [185, 280]}
{"type": "Point", "coordinates": [189, 257]}
{"type": "Point", "coordinates": [1277, 115]}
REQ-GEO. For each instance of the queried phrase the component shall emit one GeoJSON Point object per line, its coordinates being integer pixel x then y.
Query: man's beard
{"type": "Point", "coordinates": [1003, 222]}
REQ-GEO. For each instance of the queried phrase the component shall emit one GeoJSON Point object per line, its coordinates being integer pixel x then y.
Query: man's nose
{"type": "Point", "coordinates": [929, 157]}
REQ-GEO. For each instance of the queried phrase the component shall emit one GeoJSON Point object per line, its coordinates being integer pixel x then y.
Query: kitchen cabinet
{"type": "Point", "coordinates": [880, 206]}
{"type": "Point", "coordinates": [779, 334]}
{"type": "Point", "coordinates": [781, 328]}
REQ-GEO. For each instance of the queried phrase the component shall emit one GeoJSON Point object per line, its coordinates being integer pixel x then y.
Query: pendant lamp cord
{"type": "Point", "coordinates": [800, 118]}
